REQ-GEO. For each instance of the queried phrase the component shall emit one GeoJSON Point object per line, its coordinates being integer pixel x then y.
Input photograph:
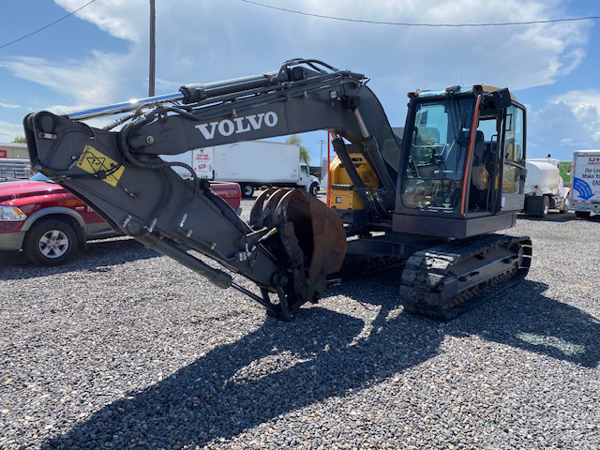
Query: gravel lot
{"type": "Point", "coordinates": [122, 348]}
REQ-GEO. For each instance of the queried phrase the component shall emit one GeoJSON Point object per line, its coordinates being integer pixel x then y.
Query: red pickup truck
{"type": "Point", "coordinates": [49, 223]}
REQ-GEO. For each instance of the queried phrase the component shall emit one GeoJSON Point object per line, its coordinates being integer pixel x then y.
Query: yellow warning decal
{"type": "Point", "coordinates": [100, 165]}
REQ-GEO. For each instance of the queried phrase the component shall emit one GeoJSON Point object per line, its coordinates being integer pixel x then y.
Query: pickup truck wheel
{"type": "Point", "coordinates": [50, 243]}
{"type": "Point", "coordinates": [314, 189]}
{"type": "Point", "coordinates": [247, 190]}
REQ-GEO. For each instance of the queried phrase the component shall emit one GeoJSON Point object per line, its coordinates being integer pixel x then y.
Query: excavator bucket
{"type": "Point", "coordinates": [311, 235]}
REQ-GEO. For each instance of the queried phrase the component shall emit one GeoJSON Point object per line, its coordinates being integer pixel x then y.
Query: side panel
{"type": "Point", "coordinates": [203, 162]}
{"type": "Point", "coordinates": [452, 227]}
{"type": "Point", "coordinates": [543, 175]}
{"type": "Point", "coordinates": [186, 158]}
{"type": "Point", "coordinates": [512, 202]}
{"type": "Point", "coordinates": [230, 192]}
{"type": "Point", "coordinates": [585, 181]}
{"type": "Point", "coordinates": [258, 162]}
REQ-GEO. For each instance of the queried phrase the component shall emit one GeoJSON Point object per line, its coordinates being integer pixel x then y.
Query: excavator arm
{"type": "Point", "coordinates": [293, 241]}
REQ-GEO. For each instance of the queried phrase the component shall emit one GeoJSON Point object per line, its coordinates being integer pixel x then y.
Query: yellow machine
{"type": "Point", "coordinates": [342, 193]}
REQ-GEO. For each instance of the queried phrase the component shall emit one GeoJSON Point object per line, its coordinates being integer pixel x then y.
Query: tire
{"type": "Point", "coordinates": [50, 243]}
{"type": "Point", "coordinates": [545, 206]}
{"type": "Point", "coordinates": [537, 206]}
{"type": "Point", "coordinates": [247, 190]}
{"type": "Point", "coordinates": [528, 210]}
{"type": "Point", "coordinates": [565, 207]}
{"type": "Point", "coordinates": [583, 214]}
{"type": "Point", "coordinates": [314, 189]}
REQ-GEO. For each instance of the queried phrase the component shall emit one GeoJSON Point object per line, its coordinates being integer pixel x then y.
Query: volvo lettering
{"type": "Point", "coordinates": [238, 125]}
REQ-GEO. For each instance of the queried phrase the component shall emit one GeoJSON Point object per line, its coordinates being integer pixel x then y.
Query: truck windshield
{"type": "Point", "coordinates": [438, 143]}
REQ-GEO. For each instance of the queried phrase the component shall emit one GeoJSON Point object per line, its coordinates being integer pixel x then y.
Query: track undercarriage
{"type": "Point", "coordinates": [447, 280]}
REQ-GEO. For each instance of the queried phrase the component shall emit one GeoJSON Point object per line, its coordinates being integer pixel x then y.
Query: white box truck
{"type": "Point", "coordinates": [544, 187]}
{"type": "Point", "coordinates": [252, 164]}
{"type": "Point", "coordinates": [585, 183]}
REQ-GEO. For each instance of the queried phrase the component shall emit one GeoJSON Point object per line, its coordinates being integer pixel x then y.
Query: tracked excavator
{"type": "Point", "coordinates": [430, 200]}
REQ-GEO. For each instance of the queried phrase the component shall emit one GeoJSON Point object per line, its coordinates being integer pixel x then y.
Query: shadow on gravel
{"type": "Point", "coordinates": [557, 217]}
{"type": "Point", "coordinates": [551, 217]}
{"type": "Point", "coordinates": [98, 255]}
{"type": "Point", "coordinates": [218, 397]}
{"type": "Point", "coordinates": [524, 318]}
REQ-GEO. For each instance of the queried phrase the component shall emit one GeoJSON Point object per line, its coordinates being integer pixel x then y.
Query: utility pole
{"type": "Point", "coordinates": [321, 160]}
{"type": "Point", "coordinates": [152, 77]}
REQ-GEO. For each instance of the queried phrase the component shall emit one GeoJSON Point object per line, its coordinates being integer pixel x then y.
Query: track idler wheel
{"type": "Point", "coordinates": [311, 240]}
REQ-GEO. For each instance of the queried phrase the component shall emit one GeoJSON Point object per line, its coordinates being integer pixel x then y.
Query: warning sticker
{"type": "Point", "coordinates": [96, 163]}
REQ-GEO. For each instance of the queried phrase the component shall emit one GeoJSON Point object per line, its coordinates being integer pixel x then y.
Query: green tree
{"type": "Point", "coordinates": [304, 154]}
{"type": "Point", "coordinates": [19, 140]}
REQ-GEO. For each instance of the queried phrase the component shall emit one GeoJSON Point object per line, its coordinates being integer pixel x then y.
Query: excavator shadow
{"type": "Point", "coordinates": [218, 396]}
{"type": "Point", "coordinates": [523, 317]}
{"type": "Point", "coordinates": [556, 217]}
{"type": "Point", "coordinates": [98, 257]}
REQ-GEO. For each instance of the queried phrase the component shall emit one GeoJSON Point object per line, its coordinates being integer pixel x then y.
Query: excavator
{"type": "Point", "coordinates": [431, 199]}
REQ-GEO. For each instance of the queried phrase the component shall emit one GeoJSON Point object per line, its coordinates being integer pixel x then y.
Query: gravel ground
{"type": "Point", "coordinates": [122, 348]}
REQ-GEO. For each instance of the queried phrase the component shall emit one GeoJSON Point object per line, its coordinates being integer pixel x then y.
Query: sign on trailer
{"type": "Point", "coordinates": [585, 195]}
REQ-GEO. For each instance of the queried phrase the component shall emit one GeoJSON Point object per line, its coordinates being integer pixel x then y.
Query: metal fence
{"type": "Point", "coordinates": [11, 169]}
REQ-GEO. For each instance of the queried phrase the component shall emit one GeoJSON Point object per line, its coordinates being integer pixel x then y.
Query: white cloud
{"type": "Point", "coordinates": [203, 41]}
{"type": "Point", "coordinates": [86, 82]}
{"type": "Point", "coordinates": [123, 19]}
{"type": "Point", "coordinates": [9, 131]}
{"type": "Point", "coordinates": [9, 106]}
{"type": "Point", "coordinates": [569, 122]}
{"type": "Point", "coordinates": [585, 105]}
{"type": "Point", "coordinates": [577, 98]}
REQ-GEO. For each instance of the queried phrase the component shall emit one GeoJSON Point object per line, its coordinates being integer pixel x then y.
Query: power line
{"type": "Point", "coordinates": [409, 24]}
{"type": "Point", "coordinates": [47, 26]}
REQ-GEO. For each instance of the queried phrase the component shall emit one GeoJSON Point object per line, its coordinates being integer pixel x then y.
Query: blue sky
{"type": "Point", "coordinates": [100, 55]}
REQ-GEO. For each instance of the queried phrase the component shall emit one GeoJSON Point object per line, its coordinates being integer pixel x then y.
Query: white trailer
{"type": "Point", "coordinates": [585, 183]}
{"type": "Point", "coordinates": [544, 187]}
{"type": "Point", "coordinates": [252, 164]}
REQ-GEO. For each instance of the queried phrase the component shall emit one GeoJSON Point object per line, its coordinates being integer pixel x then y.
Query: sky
{"type": "Point", "coordinates": [100, 55]}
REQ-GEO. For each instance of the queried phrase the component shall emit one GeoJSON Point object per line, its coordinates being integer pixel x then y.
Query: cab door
{"type": "Point", "coordinates": [304, 178]}
{"type": "Point", "coordinates": [512, 142]}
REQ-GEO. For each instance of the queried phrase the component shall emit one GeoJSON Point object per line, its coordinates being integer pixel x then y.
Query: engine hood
{"type": "Point", "coordinates": [13, 190]}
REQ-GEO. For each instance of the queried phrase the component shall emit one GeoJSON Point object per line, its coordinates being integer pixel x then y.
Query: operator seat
{"type": "Point", "coordinates": [425, 144]}
{"type": "Point", "coordinates": [480, 177]}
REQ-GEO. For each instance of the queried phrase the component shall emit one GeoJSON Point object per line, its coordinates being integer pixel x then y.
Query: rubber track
{"type": "Point", "coordinates": [427, 270]}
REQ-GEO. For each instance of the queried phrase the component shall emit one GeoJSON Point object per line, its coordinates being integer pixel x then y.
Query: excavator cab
{"type": "Point", "coordinates": [462, 167]}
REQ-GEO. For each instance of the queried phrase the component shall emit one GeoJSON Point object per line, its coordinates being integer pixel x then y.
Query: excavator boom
{"type": "Point", "coordinates": [293, 241]}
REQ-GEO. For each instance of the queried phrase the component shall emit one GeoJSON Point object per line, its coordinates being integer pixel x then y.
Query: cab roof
{"type": "Point", "coordinates": [476, 88]}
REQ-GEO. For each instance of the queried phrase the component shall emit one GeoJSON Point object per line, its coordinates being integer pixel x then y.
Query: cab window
{"type": "Point", "coordinates": [513, 151]}
{"type": "Point", "coordinates": [439, 141]}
